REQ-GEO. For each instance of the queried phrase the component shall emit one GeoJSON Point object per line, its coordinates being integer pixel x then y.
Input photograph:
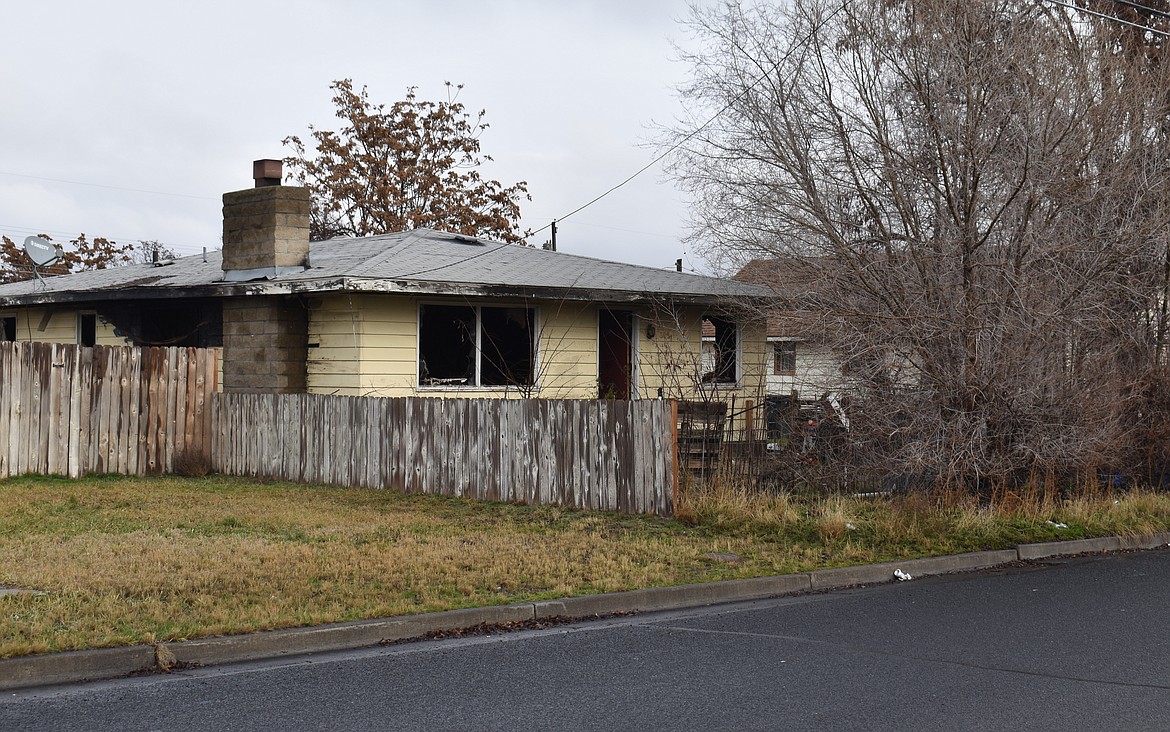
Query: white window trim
{"type": "Point", "coordinates": [637, 323]}
{"type": "Point", "coordinates": [774, 342]}
{"type": "Point", "coordinates": [81, 314]}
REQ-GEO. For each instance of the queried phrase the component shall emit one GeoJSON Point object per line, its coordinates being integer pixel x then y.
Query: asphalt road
{"type": "Point", "coordinates": [1077, 644]}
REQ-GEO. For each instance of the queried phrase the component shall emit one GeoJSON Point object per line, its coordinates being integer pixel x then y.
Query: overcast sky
{"type": "Point", "coordinates": [161, 107]}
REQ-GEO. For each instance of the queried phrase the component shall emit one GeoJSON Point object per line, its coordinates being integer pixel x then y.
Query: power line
{"type": "Point", "coordinates": [1114, 18]}
{"type": "Point", "coordinates": [113, 237]}
{"type": "Point", "coordinates": [816, 29]}
{"type": "Point", "coordinates": [1144, 8]}
{"type": "Point", "coordinates": [628, 231]}
{"type": "Point", "coordinates": [112, 188]}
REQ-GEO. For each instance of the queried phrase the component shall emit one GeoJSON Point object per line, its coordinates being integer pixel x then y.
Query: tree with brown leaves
{"type": "Point", "coordinates": [413, 165]}
{"type": "Point", "coordinates": [81, 255]}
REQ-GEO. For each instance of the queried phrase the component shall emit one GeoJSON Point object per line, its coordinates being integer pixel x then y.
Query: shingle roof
{"type": "Point", "coordinates": [793, 284]}
{"type": "Point", "coordinates": [419, 261]}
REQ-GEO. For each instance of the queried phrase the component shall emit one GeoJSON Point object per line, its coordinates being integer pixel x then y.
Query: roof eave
{"type": "Point", "coordinates": [369, 285]}
{"type": "Point", "coordinates": [415, 287]}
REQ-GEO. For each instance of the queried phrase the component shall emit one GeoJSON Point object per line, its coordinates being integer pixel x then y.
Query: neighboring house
{"type": "Point", "coordinates": [421, 313]}
{"type": "Point", "coordinates": [801, 365]}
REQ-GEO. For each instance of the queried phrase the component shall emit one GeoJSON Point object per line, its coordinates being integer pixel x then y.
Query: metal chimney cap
{"type": "Point", "coordinates": [267, 172]}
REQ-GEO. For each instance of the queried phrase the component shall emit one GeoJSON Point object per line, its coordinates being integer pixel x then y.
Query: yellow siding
{"type": "Point", "coordinates": [568, 350]}
{"type": "Point", "coordinates": [367, 345]}
{"type": "Point", "coordinates": [389, 337]}
{"type": "Point", "coordinates": [59, 327]}
{"type": "Point", "coordinates": [334, 347]}
{"type": "Point", "coordinates": [671, 361]}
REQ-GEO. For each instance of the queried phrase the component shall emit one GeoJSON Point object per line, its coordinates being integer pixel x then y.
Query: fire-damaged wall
{"type": "Point", "coordinates": [189, 322]}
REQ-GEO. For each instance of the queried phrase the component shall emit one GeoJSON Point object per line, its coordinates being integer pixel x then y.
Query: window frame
{"type": "Point", "coordinates": [477, 309]}
{"type": "Point", "coordinates": [82, 316]}
{"type": "Point", "coordinates": [789, 348]}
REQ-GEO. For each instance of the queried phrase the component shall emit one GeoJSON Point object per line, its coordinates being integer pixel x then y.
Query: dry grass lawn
{"type": "Point", "coordinates": [124, 560]}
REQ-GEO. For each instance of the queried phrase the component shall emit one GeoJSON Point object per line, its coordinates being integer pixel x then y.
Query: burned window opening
{"type": "Point", "coordinates": [446, 345]}
{"type": "Point", "coordinates": [507, 347]}
{"type": "Point", "coordinates": [87, 329]}
{"type": "Point", "coordinates": [190, 322]}
{"type": "Point", "coordinates": [476, 346]}
{"type": "Point", "coordinates": [720, 340]}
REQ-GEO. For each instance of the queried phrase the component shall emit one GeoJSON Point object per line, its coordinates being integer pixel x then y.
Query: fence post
{"type": "Point", "coordinates": [674, 453]}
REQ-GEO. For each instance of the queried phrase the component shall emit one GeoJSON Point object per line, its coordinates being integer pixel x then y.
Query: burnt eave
{"type": "Point", "coordinates": [297, 286]}
{"type": "Point", "coordinates": [461, 289]}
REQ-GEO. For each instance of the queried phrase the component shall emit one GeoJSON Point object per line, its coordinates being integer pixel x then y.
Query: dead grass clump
{"type": "Point", "coordinates": [192, 463]}
{"type": "Point", "coordinates": [725, 503]}
{"type": "Point", "coordinates": [834, 517]}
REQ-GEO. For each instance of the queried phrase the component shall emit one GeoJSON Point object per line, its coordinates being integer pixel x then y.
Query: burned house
{"type": "Point", "coordinates": [418, 313]}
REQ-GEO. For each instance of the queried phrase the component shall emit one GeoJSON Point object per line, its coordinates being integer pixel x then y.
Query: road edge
{"type": "Point", "coordinates": [25, 672]}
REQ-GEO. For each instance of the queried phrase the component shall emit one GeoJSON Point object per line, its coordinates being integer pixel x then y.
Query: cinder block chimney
{"type": "Point", "coordinates": [265, 234]}
{"type": "Point", "coordinates": [266, 228]}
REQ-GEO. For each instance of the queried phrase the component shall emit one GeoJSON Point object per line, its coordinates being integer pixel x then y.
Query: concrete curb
{"type": "Point", "coordinates": [109, 663]}
{"type": "Point", "coordinates": [1089, 546]}
{"type": "Point", "coordinates": [1153, 541]}
{"type": "Point", "coordinates": [826, 579]}
{"type": "Point", "coordinates": [74, 666]}
{"type": "Point", "coordinates": [336, 637]}
{"type": "Point", "coordinates": [673, 598]}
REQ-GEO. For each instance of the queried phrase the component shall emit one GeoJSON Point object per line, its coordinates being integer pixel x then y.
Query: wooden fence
{"type": "Point", "coordinates": [71, 410]}
{"type": "Point", "coordinates": [609, 455]}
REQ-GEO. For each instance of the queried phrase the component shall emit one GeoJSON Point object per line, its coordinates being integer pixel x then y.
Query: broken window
{"type": "Point", "coordinates": [784, 353]}
{"type": "Point", "coordinates": [446, 345]}
{"type": "Point", "coordinates": [720, 339]}
{"type": "Point", "coordinates": [9, 327]}
{"type": "Point", "coordinates": [507, 347]}
{"type": "Point", "coordinates": [461, 345]}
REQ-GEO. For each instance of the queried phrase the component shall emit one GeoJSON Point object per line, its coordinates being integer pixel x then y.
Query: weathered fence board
{"type": "Point", "coordinates": [71, 410]}
{"type": "Point", "coordinates": [614, 456]}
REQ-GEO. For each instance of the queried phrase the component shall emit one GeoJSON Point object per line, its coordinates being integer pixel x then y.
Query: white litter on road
{"type": "Point", "coordinates": [902, 576]}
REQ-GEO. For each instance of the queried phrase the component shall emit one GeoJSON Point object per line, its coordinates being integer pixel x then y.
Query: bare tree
{"type": "Point", "coordinates": [151, 250]}
{"type": "Point", "coordinates": [976, 191]}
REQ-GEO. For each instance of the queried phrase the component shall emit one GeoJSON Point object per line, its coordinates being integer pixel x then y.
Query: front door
{"type": "Point", "coordinates": [615, 353]}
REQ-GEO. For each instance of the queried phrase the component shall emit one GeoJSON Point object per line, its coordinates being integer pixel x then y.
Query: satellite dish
{"type": "Point", "coordinates": [40, 251]}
